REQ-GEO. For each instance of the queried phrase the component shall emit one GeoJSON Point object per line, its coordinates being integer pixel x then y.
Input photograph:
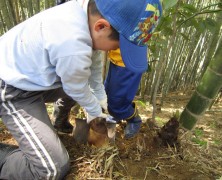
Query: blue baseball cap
{"type": "Point", "coordinates": [135, 20]}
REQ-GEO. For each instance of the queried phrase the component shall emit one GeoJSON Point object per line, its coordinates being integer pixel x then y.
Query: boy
{"type": "Point", "coordinates": [121, 86]}
{"type": "Point", "coordinates": [48, 57]}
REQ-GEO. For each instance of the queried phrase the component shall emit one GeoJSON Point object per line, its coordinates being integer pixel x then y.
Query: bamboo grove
{"type": "Point", "coordinates": [180, 51]}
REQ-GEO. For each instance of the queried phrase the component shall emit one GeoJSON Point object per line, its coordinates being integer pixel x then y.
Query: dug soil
{"type": "Point", "coordinates": [186, 155]}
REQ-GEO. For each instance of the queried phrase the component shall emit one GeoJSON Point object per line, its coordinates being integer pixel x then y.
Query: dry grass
{"type": "Point", "coordinates": [198, 156]}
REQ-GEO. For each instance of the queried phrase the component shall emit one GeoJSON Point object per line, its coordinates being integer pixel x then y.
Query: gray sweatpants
{"type": "Point", "coordinates": [41, 154]}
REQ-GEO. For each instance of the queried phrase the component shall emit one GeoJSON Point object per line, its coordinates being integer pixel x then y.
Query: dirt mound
{"type": "Point", "coordinates": [160, 150]}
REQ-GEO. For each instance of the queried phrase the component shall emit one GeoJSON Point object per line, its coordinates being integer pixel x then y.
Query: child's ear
{"type": "Point", "coordinates": [101, 24]}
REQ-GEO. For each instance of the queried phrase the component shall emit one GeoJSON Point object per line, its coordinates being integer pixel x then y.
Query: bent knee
{"type": "Point", "coordinates": [59, 167]}
{"type": "Point", "coordinates": [63, 167]}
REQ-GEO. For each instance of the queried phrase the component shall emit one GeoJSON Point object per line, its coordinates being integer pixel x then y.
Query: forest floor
{"type": "Point", "coordinates": [197, 155]}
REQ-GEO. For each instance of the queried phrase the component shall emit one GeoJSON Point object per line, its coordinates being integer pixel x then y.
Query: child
{"type": "Point", "coordinates": [121, 86]}
{"type": "Point", "coordinates": [48, 57]}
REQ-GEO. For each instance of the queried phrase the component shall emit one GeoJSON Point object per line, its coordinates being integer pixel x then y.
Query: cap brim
{"type": "Point", "coordinates": [134, 57]}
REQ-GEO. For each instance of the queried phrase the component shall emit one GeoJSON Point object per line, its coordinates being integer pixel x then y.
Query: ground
{"type": "Point", "coordinates": [196, 155]}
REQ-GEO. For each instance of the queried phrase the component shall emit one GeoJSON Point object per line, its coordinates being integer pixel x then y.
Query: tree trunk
{"type": "Point", "coordinates": [205, 93]}
{"type": "Point", "coordinates": [5, 15]}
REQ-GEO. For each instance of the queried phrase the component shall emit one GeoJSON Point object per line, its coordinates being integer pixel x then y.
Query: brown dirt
{"type": "Point", "coordinates": [197, 154]}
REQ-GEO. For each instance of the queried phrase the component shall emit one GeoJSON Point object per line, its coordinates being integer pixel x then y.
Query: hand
{"type": "Point", "coordinates": [103, 104]}
{"type": "Point", "coordinates": [110, 119]}
{"type": "Point", "coordinates": [90, 118]}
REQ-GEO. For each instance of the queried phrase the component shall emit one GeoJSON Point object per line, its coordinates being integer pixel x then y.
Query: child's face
{"type": "Point", "coordinates": [100, 30]}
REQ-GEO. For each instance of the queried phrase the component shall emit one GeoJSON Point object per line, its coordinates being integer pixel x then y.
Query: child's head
{"type": "Point", "coordinates": [134, 20]}
{"type": "Point", "coordinates": [104, 36]}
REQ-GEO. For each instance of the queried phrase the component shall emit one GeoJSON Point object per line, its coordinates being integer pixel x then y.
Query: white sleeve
{"type": "Point", "coordinates": [96, 79]}
{"type": "Point", "coordinates": [74, 72]}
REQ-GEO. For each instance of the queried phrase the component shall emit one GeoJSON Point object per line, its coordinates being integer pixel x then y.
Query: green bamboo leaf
{"type": "Point", "coordinates": [200, 26]}
{"type": "Point", "coordinates": [189, 8]}
{"type": "Point", "coordinates": [167, 20]}
{"type": "Point", "coordinates": [142, 103]}
{"type": "Point", "coordinates": [167, 31]}
{"type": "Point", "coordinates": [210, 24]}
{"type": "Point", "coordinates": [169, 3]}
{"type": "Point", "coordinates": [185, 36]}
{"type": "Point", "coordinates": [190, 23]}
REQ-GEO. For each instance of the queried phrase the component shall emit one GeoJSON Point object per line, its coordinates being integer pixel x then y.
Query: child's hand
{"type": "Point", "coordinates": [90, 118]}
{"type": "Point", "coordinates": [103, 104]}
